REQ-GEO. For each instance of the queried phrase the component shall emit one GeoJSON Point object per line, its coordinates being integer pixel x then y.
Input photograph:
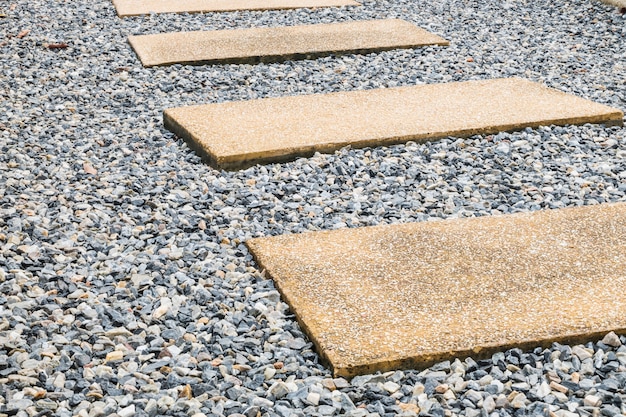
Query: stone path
{"type": "Point", "coordinates": [279, 44]}
{"type": "Point", "coordinates": [138, 7]}
{"type": "Point", "coordinates": [238, 134]}
{"type": "Point", "coordinates": [410, 295]}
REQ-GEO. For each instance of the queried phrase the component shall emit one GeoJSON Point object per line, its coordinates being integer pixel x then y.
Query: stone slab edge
{"type": "Point", "coordinates": [125, 8]}
{"type": "Point", "coordinates": [420, 361]}
{"type": "Point", "coordinates": [141, 44]}
{"type": "Point", "coordinates": [616, 3]}
{"type": "Point", "coordinates": [237, 162]}
{"type": "Point", "coordinates": [263, 158]}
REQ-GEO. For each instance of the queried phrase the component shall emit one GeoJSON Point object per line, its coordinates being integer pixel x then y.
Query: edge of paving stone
{"type": "Point", "coordinates": [236, 162]}
{"type": "Point", "coordinates": [612, 117]}
{"type": "Point", "coordinates": [341, 367]}
{"type": "Point", "coordinates": [135, 42]}
{"type": "Point", "coordinates": [191, 140]}
{"type": "Point", "coordinates": [420, 362]}
{"type": "Point", "coordinates": [616, 3]}
{"type": "Point", "coordinates": [122, 9]}
{"type": "Point", "coordinates": [243, 161]}
{"type": "Point", "coordinates": [326, 360]}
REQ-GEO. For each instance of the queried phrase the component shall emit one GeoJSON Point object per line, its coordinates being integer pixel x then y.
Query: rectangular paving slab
{"type": "Point", "coordinates": [239, 134]}
{"type": "Point", "coordinates": [237, 46]}
{"type": "Point", "coordinates": [139, 7]}
{"type": "Point", "coordinates": [410, 295]}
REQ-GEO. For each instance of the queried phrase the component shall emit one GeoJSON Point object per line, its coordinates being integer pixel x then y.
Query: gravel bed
{"type": "Point", "coordinates": [125, 287]}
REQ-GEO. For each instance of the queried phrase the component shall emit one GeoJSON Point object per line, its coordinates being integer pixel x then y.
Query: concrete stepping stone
{"type": "Point", "coordinates": [127, 8]}
{"type": "Point", "coordinates": [240, 46]}
{"type": "Point", "coordinates": [239, 134]}
{"type": "Point", "coordinates": [410, 295]}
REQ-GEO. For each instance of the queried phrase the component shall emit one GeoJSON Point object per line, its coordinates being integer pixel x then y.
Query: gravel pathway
{"type": "Point", "coordinates": [125, 288]}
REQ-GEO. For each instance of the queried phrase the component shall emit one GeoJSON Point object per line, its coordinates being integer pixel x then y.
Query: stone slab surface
{"type": "Point", "coordinates": [407, 296]}
{"type": "Point", "coordinates": [139, 7]}
{"type": "Point", "coordinates": [279, 44]}
{"type": "Point", "coordinates": [617, 3]}
{"type": "Point", "coordinates": [239, 134]}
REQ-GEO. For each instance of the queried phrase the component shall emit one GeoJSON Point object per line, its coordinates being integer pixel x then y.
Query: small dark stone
{"type": "Point", "coordinates": [610, 410]}
{"type": "Point", "coordinates": [65, 363]}
{"type": "Point", "coordinates": [491, 389]}
{"type": "Point", "coordinates": [234, 393]}
{"type": "Point", "coordinates": [429, 385]}
{"type": "Point", "coordinates": [496, 373]}
{"type": "Point", "coordinates": [388, 400]}
{"type": "Point", "coordinates": [518, 377]}
{"type": "Point", "coordinates": [441, 366]}
{"type": "Point", "coordinates": [538, 409]}
{"type": "Point", "coordinates": [610, 367]}
{"type": "Point", "coordinates": [76, 399]}
{"type": "Point", "coordinates": [566, 352]}
{"type": "Point", "coordinates": [436, 411]}
{"type": "Point", "coordinates": [199, 389]}
{"type": "Point", "coordinates": [471, 364]}
{"type": "Point", "coordinates": [610, 385]}
{"type": "Point", "coordinates": [478, 374]}
{"type": "Point", "coordinates": [81, 360]}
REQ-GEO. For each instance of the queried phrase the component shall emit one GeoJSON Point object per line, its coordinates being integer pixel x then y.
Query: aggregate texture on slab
{"type": "Point", "coordinates": [238, 134]}
{"type": "Point", "coordinates": [127, 8]}
{"type": "Point", "coordinates": [256, 45]}
{"type": "Point", "coordinates": [617, 3]}
{"type": "Point", "coordinates": [410, 295]}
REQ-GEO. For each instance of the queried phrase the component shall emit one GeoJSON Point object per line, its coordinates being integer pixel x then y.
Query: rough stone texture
{"type": "Point", "coordinates": [138, 7]}
{"type": "Point", "coordinates": [617, 3]}
{"type": "Point", "coordinates": [409, 295]}
{"type": "Point", "coordinates": [279, 44]}
{"type": "Point", "coordinates": [238, 134]}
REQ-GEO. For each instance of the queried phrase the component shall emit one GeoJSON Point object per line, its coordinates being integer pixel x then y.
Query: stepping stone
{"type": "Point", "coordinates": [138, 7]}
{"type": "Point", "coordinates": [239, 134]}
{"type": "Point", "coordinates": [410, 295]}
{"type": "Point", "coordinates": [240, 46]}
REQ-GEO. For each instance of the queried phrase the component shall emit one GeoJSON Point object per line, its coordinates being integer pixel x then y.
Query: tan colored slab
{"type": "Point", "coordinates": [407, 296]}
{"type": "Point", "coordinates": [236, 46]}
{"type": "Point", "coordinates": [617, 3]}
{"type": "Point", "coordinates": [239, 134]}
{"type": "Point", "coordinates": [138, 7]}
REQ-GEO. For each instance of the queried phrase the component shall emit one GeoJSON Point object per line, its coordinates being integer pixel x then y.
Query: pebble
{"type": "Point", "coordinates": [592, 401]}
{"type": "Point", "coordinates": [581, 352]}
{"type": "Point", "coordinates": [391, 387]}
{"type": "Point", "coordinates": [543, 390]}
{"type": "Point", "coordinates": [269, 373]}
{"type": "Point", "coordinates": [127, 411]}
{"type": "Point", "coordinates": [116, 355]}
{"type": "Point", "coordinates": [313, 398]}
{"type": "Point", "coordinates": [278, 390]}
{"type": "Point", "coordinates": [558, 387]}
{"type": "Point", "coordinates": [611, 339]}
{"type": "Point", "coordinates": [489, 404]}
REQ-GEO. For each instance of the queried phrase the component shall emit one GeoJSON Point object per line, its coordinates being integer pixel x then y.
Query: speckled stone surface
{"type": "Point", "coordinates": [279, 44]}
{"type": "Point", "coordinates": [409, 295]}
{"type": "Point", "coordinates": [617, 3]}
{"type": "Point", "coordinates": [138, 7]}
{"type": "Point", "coordinates": [239, 134]}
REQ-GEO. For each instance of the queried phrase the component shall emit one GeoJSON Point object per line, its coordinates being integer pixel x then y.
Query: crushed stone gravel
{"type": "Point", "coordinates": [125, 287]}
